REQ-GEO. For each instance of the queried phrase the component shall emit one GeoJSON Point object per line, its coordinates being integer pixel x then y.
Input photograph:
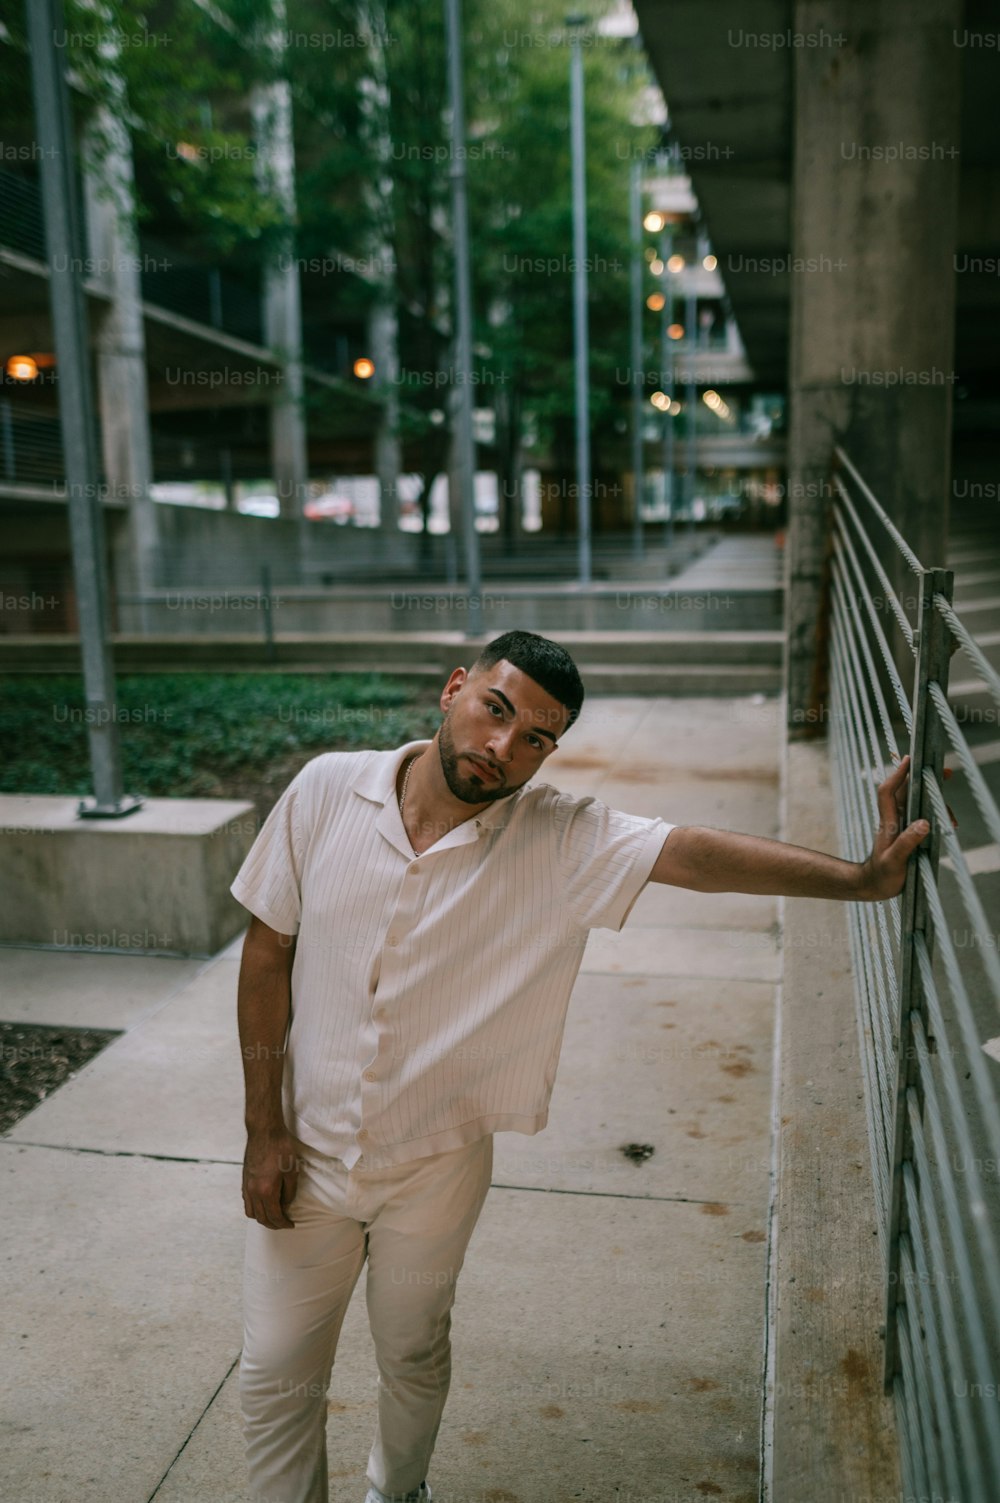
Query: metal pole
{"type": "Point", "coordinates": [667, 362]}
{"type": "Point", "coordinates": [581, 349]}
{"type": "Point", "coordinates": [465, 450]}
{"type": "Point", "coordinates": [691, 399]}
{"type": "Point", "coordinates": [63, 244]}
{"type": "Point", "coordinates": [638, 389]}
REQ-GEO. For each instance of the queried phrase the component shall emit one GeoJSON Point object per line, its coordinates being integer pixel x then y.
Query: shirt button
{"type": "Point", "coordinates": [370, 1075]}
{"type": "Point", "coordinates": [363, 1133]}
{"type": "Point", "coordinates": [392, 940]}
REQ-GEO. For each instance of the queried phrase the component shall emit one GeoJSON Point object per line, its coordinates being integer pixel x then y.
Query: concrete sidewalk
{"type": "Point", "coordinates": [609, 1330]}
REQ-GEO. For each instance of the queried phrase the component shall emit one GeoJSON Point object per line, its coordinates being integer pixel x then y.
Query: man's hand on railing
{"type": "Point", "coordinates": [884, 872]}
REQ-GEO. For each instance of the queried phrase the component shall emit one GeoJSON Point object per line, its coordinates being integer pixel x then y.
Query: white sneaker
{"type": "Point", "coordinates": [422, 1495]}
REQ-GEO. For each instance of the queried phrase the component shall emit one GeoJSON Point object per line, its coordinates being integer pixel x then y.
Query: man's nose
{"type": "Point", "coordinates": [500, 744]}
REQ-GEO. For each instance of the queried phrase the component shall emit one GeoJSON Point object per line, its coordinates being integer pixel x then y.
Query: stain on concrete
{"type": "Point", "coordinates": [696, 1132]}
{"type": "Point", "coordinates": [753, 1236]}
{"type": "Point", "coordinates": [737, 1068]}
{"type": "Point", "coordinates": [701, 1385]}
{"type": "Point", "coordinates": [709, 1488]}
{"type": "Point", "coordinates": [475, 1437]}
{"type": "Point", "coordinates": [638, 1152]}
{"type": "Point", "coordinates": [552, 1411]}
{"type": "Point", "coordinates": [816, 1294]}
{"type": "Point", "coordinates": [857, 1370]}
{"type": "Point", "coordinates": [727, 1099]}
{"type": "Point", "coordinates": [714, 1208]}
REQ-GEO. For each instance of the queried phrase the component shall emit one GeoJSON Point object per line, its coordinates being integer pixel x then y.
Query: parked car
{"type": "Point", "coordinates": [330, 507]}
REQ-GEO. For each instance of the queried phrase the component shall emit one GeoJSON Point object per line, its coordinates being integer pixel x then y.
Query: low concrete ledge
{"type": "Point", "coordinates": [831, 1428]}
{"type": "Point", "coordinates": [155, 882]}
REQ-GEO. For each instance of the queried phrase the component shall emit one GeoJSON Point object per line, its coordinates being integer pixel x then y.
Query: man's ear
{"type": "Point", "coordinates": [459, 676]}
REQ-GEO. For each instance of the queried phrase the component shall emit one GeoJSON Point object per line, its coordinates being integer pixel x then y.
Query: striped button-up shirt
{"type": "Point", "coordinates": [429, 993]}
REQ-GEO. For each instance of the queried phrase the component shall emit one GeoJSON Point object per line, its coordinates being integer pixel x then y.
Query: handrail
{"type": "Point", "coordinates": [927, 990]}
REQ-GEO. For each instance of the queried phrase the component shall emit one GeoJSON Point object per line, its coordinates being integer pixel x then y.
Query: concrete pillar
{"type": "Point", "coordinates": [874, 198]}
{"type": "Point", "coordinates": [275, 162]}
{"type": "Point", "coordinates": [119, 338]}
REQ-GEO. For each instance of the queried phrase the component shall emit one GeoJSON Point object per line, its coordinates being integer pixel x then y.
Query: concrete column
{"type": "Point", "coordinates": [874, 198]}
{"type": "Point", "coordinates": [272, 115]}
{"type": "Point", "coordinates": [119, 337]}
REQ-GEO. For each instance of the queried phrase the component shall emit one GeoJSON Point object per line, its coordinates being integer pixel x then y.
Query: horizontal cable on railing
{"type": "Point", "coordinates": [977, 1202]}
{"type": "Point", "coordinates": [884, 648]}
{"type": "Point", "coordinates": [881, 513]}
{"type": "Point", "coordinates": [985, 801]}
{"type": "Point", "coordinates": [960, 1002]}
{"type": "Point", "coordinates": [925, 1459]}
{"type": "Point", "coordinates": [941, 1286]}
{"type": "Point", "coordinates": [969, 1298]}
{"type": "Point", "coordinates": [966, 886]}
{"type": "Point", "coordinates": [869, 1041]}
{"type": "Point", "coordinates": [971, 648]}
{"type": "Point", "coordinates": [851, 638]}
{"type": "Point", "coordinates": [875, 990]}
{"type": "Point", "coordinates": [865, 829]}
{"type": "Point", "coordinates": [931, 1330]}
{"type": "Point", "coordinates": [917, 1480]}
{"type": "Point", "coordinates": [891, 595]}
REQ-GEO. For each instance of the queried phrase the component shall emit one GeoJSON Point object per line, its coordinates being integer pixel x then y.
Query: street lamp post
{"type": "Point", "coordinates": [581, 349]}
{"type": "Point", "coordinates": [465, 449]}
{"type": "Point", "coordinates": [63, 244]}
{"type": "Point", "coordinates": [667, 361]}
{"type": "Point", "coordinates": [635, 333]}
{"type": "Point", "coordinates": [691, 399]}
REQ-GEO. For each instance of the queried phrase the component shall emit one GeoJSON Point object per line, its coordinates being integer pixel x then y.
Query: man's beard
{"type": "Point", "coordinates": [470, 790]}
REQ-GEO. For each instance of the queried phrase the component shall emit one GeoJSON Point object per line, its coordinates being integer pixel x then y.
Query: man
{"type": "Point", "coordinates": [419, 918]}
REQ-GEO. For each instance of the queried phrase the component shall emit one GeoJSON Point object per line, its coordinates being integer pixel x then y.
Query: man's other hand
{"type": "Point", "coordinates": [270, 1175]}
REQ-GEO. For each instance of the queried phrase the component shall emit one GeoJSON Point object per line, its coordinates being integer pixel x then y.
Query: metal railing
{"type": "Point", "coordinates": [927, 987]}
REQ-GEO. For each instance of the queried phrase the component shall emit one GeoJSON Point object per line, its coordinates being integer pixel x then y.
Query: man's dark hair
{"type": "Point", "coordinates": [545, 661]}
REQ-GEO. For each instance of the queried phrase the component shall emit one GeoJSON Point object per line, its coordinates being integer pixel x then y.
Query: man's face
{"type": "Point", "coordinates": [498, 721]}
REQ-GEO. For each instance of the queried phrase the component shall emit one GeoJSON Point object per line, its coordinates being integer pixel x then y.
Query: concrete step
{"type": "Point", "coordinates": [391, 652]}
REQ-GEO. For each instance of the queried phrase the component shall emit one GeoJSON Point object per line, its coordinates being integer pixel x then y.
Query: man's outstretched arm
{"type": "Point", "coordinates": [709, 860]}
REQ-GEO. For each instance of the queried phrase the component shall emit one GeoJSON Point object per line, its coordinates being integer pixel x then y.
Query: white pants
{"type": "Point", "coordinates": [413, 1223]}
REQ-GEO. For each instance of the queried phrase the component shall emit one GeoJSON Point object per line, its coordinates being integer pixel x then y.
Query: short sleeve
{"type": "Point", "coordinates": [605, 857]}
{"type": "Point", "coordinates": [269, 883]}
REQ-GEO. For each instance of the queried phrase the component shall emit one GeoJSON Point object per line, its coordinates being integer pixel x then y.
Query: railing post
{"type": "Point", "coordinates": [927, 749]}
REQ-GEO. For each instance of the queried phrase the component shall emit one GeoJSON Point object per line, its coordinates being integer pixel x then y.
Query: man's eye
{"type": "Point", "coordinates": [491, 706]}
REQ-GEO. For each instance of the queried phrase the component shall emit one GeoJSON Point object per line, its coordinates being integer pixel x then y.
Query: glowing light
{"type": "Point", "coordinates": [676, 331]}
{"type": "Point", "coordinates": [187, 151]}
{"type": "Point", "coordinates": [660, 401]}
{"type": "Point", "coordinates": [675, 264]}
{"type": "Point", "coordinates": [22, 368]}
{"type": "Point", "coordinates": [655, 301]}
{"type": "Point", "coordinates": [656, 266]}
{"type": "Point", "coordinates": [709, 263]}
{"type": "Point", "coordinates": [674, 408]}
{"type": "Point", "coordinates": [364, 369]}
{"type": "Point", "coordinates": [653, 222]}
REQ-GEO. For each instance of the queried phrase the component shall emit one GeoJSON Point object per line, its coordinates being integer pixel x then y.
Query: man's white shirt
{"type": "Point", "coordinates": [429, 993]}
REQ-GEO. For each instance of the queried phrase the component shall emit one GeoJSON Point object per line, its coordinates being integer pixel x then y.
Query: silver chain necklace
{"type": "Point", "coordinates": [406, 779]}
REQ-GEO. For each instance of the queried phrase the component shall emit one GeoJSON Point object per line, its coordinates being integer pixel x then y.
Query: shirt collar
{"type": "Point", "coordinates": [377, 781]}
